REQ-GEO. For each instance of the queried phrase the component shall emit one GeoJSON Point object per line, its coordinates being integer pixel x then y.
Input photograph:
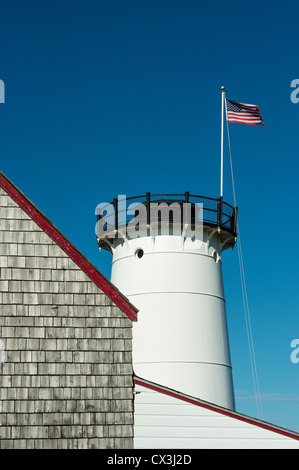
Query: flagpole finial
{"type": "Point", "coordinates": [223, 88]}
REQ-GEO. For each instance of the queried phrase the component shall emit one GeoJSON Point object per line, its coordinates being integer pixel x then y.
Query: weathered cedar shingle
{"type": "Point", "coordinates": [66, 381]}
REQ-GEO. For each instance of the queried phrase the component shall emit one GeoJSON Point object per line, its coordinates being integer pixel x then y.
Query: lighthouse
{"type": "Point", "coordinates": [167, 260]}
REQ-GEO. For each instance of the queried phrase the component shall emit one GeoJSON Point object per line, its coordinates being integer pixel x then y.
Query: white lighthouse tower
{"type": "Point", "coordinates": [167, 260]}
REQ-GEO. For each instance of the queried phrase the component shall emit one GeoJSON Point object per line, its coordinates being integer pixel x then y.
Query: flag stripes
{"type": "Point", "coordinates": [243, 113]}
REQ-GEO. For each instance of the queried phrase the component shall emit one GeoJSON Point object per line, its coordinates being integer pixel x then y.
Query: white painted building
{"type": "Point", "coordinates": [167, 419]}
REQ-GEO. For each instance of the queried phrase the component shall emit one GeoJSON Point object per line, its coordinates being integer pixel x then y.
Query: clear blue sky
{"type": "Point", "coordinates": [123, 97]}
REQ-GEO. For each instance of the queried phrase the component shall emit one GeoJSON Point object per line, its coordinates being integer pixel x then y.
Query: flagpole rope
{"type": "Point", "coordinates": [244, 295]}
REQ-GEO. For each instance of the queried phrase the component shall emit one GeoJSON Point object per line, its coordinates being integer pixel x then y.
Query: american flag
{"type": "Point", "coordinates": [243, 113]}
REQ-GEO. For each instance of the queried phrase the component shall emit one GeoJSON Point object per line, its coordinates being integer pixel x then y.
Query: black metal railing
{"type": "Point", "coordinates": [215, 212]}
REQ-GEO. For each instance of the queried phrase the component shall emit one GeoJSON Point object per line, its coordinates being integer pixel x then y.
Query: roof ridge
{"type": "Point", "coordinates": [69, 248]}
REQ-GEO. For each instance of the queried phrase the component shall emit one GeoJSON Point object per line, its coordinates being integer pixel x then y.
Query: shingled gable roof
{"type": "Point", "coordinates": [210, 406]}
{"type": "Point", "coordinates": [87, 267]}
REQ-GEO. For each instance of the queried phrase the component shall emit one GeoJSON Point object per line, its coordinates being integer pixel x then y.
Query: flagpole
{"type": "Point", "coordinates": [222, 121]}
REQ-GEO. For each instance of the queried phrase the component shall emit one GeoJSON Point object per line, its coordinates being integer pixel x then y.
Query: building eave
{"type": "Point", "coordinates": [60, 239]}
{"type": "Point", "coordinates": [210, 406]}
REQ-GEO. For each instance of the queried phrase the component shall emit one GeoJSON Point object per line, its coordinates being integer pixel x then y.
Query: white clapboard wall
{"type": "Point", "coordinates": [165, 419]}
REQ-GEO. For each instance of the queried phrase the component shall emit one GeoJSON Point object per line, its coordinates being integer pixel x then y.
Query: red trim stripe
{"type": "Point", "coordinates": [47, 226]}
{"type": "Point", "coordinates": [231, 414]}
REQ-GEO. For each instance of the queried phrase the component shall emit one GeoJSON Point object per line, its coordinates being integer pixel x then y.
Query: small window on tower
{"type": "Point", "coordinates": [139, 253]}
